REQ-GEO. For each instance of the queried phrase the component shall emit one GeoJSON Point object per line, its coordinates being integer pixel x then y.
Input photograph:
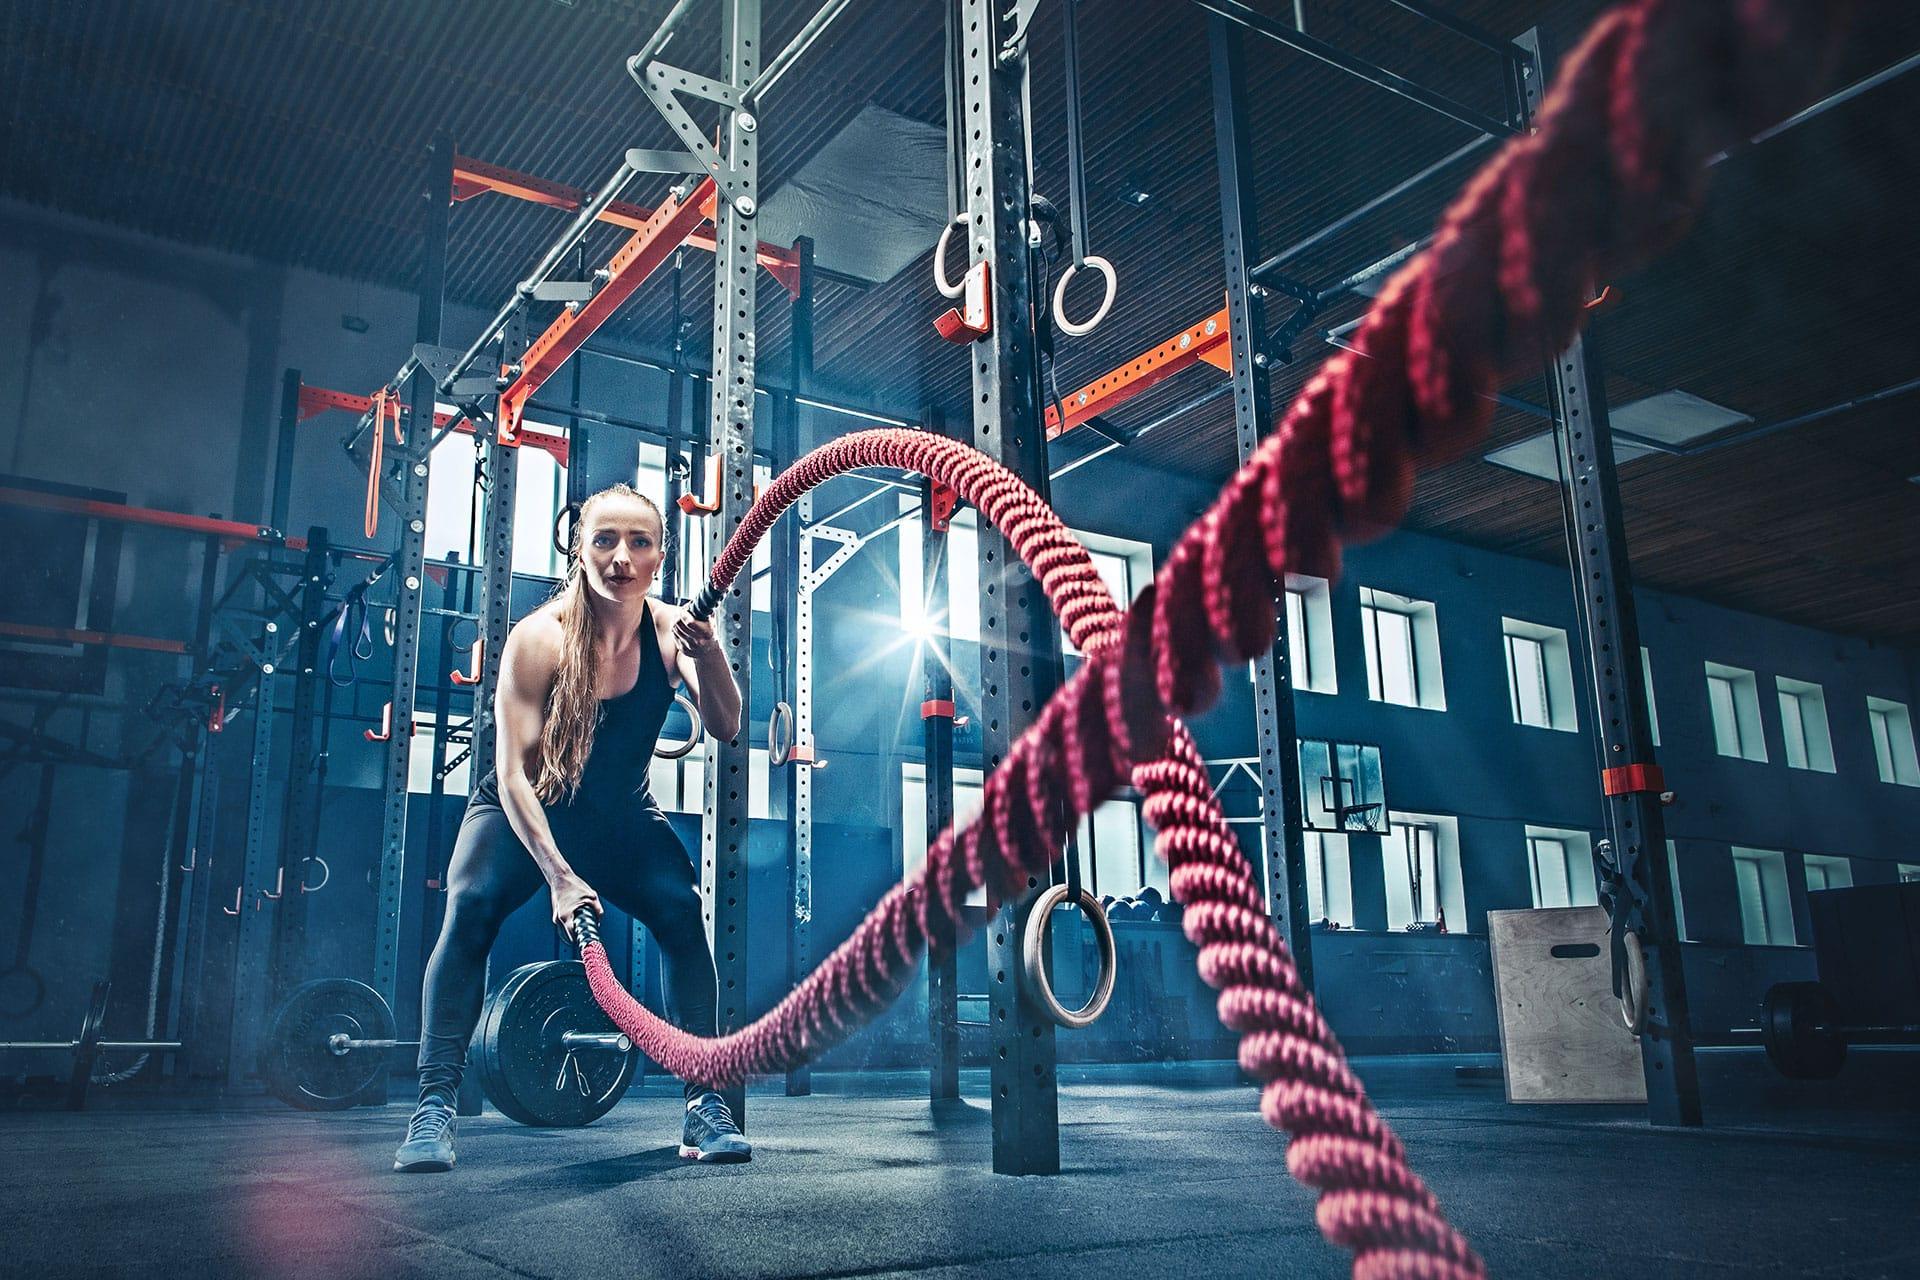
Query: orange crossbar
{"type": "Point", "coordinates": [228, 530]}
{"type": "Point", "coordinates": [475, 177]}
{"type": "Point", "coordinates": [112, 639]}
{"type": "Point", "coordinates": [1204, 341]}
{"type": "Point", "coordinates": [627, 270]}
{"type": "Point", "coordinates": [317, 400]}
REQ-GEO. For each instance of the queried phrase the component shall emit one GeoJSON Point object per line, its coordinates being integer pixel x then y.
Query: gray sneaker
{"type": "Point", "coordinates": [429, 1144]}
{"type": "Point", "coordinates": [711, 1135]}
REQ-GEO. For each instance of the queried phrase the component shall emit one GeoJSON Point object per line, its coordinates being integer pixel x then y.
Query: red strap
{"type": "Point", "coordinates": [1629, 778]}
{"type": "Point", "coordinates": [936, 707]}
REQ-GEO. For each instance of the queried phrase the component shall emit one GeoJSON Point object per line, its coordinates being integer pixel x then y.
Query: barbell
{"type": "Point", "coordinates": [544, 1052]}
{"type": "Point", "coordinates": [87, 1049]}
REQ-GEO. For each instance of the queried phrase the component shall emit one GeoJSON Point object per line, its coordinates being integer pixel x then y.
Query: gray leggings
{"type": "Point", "coordinates": [634, 861]}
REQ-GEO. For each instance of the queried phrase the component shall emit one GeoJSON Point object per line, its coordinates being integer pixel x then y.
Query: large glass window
{"type": "Point", "coordinates": [1403, 650]}
{"type": "Point", "coordinates": [1560, 865]}
{"type": "Point", "coordinates": [1766, 911]}
{"type": "Point", "coordinates": [1803, 725]}
{"type": "Point", "coordinates": [1827, 872]}
{"type": "Point", "coordinates": [1734, 699]}
{"type": "Point", "coordinates": [1421, 861]}
{"type": "Point", "coordinates": [1893, 751]}
{"type": "Point", "coordinates": [1310, 634]}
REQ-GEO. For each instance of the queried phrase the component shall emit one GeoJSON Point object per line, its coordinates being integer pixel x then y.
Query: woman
{"type": "Point", "coordinates": [585, 683]}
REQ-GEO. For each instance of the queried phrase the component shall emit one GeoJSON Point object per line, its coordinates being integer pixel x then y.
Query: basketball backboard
{"type": "Point", "coordinates": [1341, 787]}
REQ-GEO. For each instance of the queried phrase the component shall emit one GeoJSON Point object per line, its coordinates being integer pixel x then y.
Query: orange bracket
{"type": "Point", "coordinates": [1206, 341]}
{"type": "Point", "coordinates": [474, 177]}
{"type": "Point", "coordinates": [944, 502]}
{"type": "Point", "coordinates": [937, 708]}
{"type": "Point", "coordinates": [638, 258]}
{"type": "Point", "coordinates": [693, 506]}
{"type": "Point", "coordinates": [471, 675]}
{"type": "Point", "coordinates": [217, 715]}
{"type": "Point", "coordinates": [385, 731]}
{"type": "Point", "coordinates": [973, 320]}
{"type": "Point", "coordinates": [1629, 778]}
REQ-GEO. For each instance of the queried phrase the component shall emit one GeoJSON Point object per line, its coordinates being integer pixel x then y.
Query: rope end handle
{"type": "Point", "coordinates": [586, 928]}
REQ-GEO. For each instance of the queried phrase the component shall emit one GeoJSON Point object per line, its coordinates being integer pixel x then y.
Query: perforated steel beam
{"type": "Point", "coordinates": [1286, 878]}
{"type": "Point", "coordinates": [1018, 665]}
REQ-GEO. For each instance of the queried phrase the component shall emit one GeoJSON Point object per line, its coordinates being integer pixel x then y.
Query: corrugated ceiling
{"type": "Point", "coordinates": [295, 133]}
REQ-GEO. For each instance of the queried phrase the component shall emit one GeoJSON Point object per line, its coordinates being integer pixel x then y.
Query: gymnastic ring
{"type": "Point", "coordinates": [693, 739]}
{"type": "Point", "coordinates": [1633, 989]}
{"type": "Point", "coordinates": [778, 752]}
{"type": "Point", "coordinates": [940, 281]}
{"type": "Point", "coordinates": [1060, 320]}
{"type": "Point", "coordinates": [1033, 979]}
{"type": "Point", "coordinates": [568, 515]}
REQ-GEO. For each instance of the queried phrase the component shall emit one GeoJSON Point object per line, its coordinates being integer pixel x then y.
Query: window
{"type": "Point", "coordinates": [1908, 872]}
{"type": "Point", "coordinates": [1111, 858]}
{"type": "Point", "coordinates": [1735, 700]}
{"type": "Point", "coordinates": [1403, 650]}
{"type": "Point", "coordinates": [913, 816]}
{"type": "Point", "coordinates": [1824, 872]}
{"type": "Point", "coordinates": [1421, 856]}
{"type": "Point", "coordinates": [420, 758]}
{"type": "Point", "coordinates": [1310, 634]}
{"type": "Point", "coordinates": [1653, 711]}
{"type": "Point", "coordinates": [1125, 566]}
{"type": "Point", "coordinates": [1329, 878]}
{"type": "Point", "coordinates": [1539, 675]}
{"type": "Point", "coordinates": [1803, 725]}
{"type": "Point", "coordinates": [1893, 742]}
{"type": "Point", "coordinates": [1560, 864]}
{"type": "Point", "coordinates": [680, 786]}
{"type": "Point", "coordinates": [962, 618]}
{"type": "Point", "coordinates": [1766, 916]}
{"type": "Point", "coordinates": [1673, 875]}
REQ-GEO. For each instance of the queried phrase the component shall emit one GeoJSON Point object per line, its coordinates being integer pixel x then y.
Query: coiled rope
{"type": "Point", "coordinates": [1613, 174]}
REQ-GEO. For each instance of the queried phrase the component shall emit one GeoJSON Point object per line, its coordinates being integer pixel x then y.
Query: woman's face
{"type": "Point", "coordinates": [620, 548]}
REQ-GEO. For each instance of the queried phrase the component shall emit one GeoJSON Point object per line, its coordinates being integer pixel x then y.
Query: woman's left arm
{"type": "Point", "coordinates": [702, 663]}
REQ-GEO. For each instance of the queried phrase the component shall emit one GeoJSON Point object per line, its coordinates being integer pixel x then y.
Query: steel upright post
{"type": "Point", "coordinates": [793, 605]}
{"type": "Point", "coordinates": [496, 573]}
{"type": "Point", "coordinates": [1623, 731]}
{"type": "Point", "coordinates": [409, 569]}
{"type": "Point", "coordinates": [723, 836]}
{"type": "Point", "coordinates": [259, 905]}
{"type": "Point", "coordinates": [300, 823]}
{"type": "Point", "coordinates": [936, 721]}
{"type": "Point", "coordinates": [1016, 622]}
{"type": "Point", "coordinates": [1280, 812]}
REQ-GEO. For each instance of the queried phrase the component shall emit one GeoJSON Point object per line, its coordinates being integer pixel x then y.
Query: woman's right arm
{"type": "Point", "coordinates": [528, 664]}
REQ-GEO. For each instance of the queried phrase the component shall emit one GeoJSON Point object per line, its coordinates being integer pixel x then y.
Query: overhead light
{"type": "Point", "coordinates": [1537, 455]}
{"type": "Point", "coordinates": [1135, 196]}
{"type": "Point", "coordinates": [1674, 417]}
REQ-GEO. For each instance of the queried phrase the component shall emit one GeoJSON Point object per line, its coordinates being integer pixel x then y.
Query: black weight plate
{"type": "Point", "coordinates": [527, 1072]}
{"type": "Point", "coordinates": [300, 1067]}
{"type": "Point", "coordinates": [1800, 1023]}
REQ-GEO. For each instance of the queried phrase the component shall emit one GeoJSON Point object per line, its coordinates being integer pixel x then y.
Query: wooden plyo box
{"type": "Point", "coordinates": [1561, 1035]}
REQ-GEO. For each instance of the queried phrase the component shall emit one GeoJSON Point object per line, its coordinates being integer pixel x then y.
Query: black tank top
{"type": "Point", "coordinates": [616, 771]}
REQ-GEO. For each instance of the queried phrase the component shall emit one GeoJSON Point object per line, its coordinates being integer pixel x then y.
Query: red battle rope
{"type": "Point", "coordinates": [1613, 174]}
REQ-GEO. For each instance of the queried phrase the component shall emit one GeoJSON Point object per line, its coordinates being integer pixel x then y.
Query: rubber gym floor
{"type": "Point", "coordinates": [1165, 1171]}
